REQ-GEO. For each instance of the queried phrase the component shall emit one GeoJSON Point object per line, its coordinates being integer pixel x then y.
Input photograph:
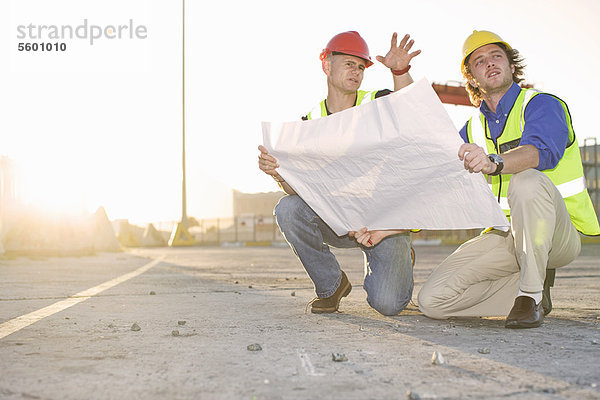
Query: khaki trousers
{"type": "Point", "coordinates": [483, 276]}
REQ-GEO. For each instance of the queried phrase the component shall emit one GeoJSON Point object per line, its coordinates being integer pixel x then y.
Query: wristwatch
{"type": "Point", "coordinates": [496, 159]}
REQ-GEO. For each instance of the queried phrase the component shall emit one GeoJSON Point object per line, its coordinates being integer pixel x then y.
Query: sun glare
{"type": "Point", "coordinates": [53, 189]}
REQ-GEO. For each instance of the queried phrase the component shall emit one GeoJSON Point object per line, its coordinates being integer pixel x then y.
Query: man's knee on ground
{"type": "Point", "coordinates": [430, 304]}
{"type": "Point", "coordinates": [387, 306]}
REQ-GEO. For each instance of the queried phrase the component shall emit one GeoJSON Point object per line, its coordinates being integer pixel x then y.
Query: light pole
{"type": "Point", "coordinates": [180, 235]}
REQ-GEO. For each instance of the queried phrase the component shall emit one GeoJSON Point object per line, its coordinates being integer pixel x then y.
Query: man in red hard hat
{"type": "Point", "coordinates": [388, 262]}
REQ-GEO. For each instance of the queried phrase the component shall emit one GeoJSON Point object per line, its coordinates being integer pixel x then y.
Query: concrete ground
{"type": "Point", "coordinates": [199, 309]}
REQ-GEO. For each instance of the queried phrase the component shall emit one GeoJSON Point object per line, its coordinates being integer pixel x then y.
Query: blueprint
{"type": "Point", "coordinates": [391, 163]}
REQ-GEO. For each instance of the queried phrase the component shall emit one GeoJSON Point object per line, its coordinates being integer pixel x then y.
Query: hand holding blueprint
{"type": "Point", "coordinates": [391, 163]}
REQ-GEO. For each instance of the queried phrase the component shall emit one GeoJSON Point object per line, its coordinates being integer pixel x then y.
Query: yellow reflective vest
{"type": "Point", "coordinates": [567, 176]}
{"type": "Point", "coordinates": [362, 96]}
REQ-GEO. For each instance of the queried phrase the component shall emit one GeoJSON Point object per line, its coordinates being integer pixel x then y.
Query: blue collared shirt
{"type": "Point", "coordinates": [545, 125]}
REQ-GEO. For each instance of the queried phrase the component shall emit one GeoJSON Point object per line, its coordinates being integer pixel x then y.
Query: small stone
{"type": "Point", "coordinates": [236, 282]}
{"type": "Point", "coordinates": [437, 358]}
{"type": "Point", "coordinates": [181, 323]}
{"type": "Point", "coordinates": [483, 351]}
{"type": "Point", "coordinates": [293, 294]}
{"type": "Point", "coordinates": [175, 333]}
{"type": "Point", "coordinates": [412, 396]}
{"type": "Point", "coordinates": [152, 293]}
{"type": "Point", "coordinates": [594, 341]}
{"type": "Point", "coordinates": [111, 325]}
{"type": "Point", "coordinates": [135, 327]}
{"type": "Point", "coordinates": [249, 286]}
{"type": "Point", "coordinates": [254, 347]}
{"type": "Point", "coordinates": [338, 357]}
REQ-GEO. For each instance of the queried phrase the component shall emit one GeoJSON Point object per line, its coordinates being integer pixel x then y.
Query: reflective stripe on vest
{"type": "Point", "coordinates": [362, 96]}
{"type": "Point", "coordinates": [477, 132]}
{"type": "Point", "coordinates": [567, 176]}
{"type": "Point", "coordinates": [572, 188]}
{"type": "Point", "coordinates": [528, 96]}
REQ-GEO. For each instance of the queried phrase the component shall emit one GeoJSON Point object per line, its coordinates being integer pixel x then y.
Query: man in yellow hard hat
{"type": "Point", "coordinates": [523, 142]}
{"type": "Point", "coordinates": [388, 264]}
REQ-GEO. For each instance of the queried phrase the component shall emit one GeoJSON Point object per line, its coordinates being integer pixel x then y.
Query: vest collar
{"type": "Point", "coordinates": [505, 104]}
{"type": "Point", "coordinates": [327, 108]}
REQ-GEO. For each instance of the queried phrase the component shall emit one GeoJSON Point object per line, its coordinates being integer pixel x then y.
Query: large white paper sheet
{"type": "Point", "coordinates": [391, 163]}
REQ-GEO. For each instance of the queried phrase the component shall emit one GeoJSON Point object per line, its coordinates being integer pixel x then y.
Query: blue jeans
{"type": "Point", "coordinates": [388, 266]}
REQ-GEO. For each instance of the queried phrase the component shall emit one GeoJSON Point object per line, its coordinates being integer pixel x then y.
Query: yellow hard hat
{"type": "Point", "coordinates": [478, 39]}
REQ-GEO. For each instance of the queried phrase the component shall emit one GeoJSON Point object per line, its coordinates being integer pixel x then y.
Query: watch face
{"type": "Point", "coordinates": [495, 158]}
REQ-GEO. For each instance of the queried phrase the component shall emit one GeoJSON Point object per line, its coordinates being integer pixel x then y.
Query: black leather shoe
{"type": "Point", "coordinates": [525, 314]}
{"type": "Point", "coordinates": [548, 283]}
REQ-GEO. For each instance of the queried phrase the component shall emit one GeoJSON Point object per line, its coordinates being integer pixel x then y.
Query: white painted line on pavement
{"type": "Point", "coordinates": [24, 321]}
{"type": "Point", "coordinates": [306, 364]}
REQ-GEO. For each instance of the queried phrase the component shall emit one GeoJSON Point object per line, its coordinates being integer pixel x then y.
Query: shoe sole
{"type": "Point", "coordinates": [332, 309]}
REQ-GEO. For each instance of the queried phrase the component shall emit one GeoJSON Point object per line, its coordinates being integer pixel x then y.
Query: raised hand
{"type": "Point", "coordinates": [399, 58]}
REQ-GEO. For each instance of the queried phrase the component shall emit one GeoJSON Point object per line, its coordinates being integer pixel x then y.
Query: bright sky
{"type": "Point", "coordinates": [101, 124]}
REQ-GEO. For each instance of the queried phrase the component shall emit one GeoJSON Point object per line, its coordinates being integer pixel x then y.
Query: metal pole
{"type": "Point", "coordinates": [183, 188]}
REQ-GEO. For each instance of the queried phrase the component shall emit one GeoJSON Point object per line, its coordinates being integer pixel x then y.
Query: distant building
{"type": "Point", "coordinates": [259, 204]}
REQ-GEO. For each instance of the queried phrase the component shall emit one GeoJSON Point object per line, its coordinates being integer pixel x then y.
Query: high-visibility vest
{"type": "Point", "coordinates": [567, 176]}
{"type": "Point", "coordinates": [362, 96]}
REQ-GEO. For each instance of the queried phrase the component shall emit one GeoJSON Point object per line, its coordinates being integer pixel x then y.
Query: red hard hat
{"type": "Point", "coordinates": [348, 43]}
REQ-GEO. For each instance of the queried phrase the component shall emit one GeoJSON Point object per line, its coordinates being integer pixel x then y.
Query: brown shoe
{"type": "Point", "coordinates": [331, 304]}
{"type": "Point", "coordinates": [525, 314]}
